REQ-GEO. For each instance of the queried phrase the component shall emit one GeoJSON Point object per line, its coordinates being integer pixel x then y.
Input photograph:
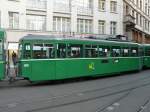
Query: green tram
{"type": "Point", "coordinates": [146, 56]}
{"type": "Point", "coordinates": [2, 54]}
{"type": "Point", "coordinates": [52, 58]}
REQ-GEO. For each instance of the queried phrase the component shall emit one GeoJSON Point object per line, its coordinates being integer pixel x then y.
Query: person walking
{"type": "Point", "coordinates": [14, 58]}
{"type": "Point", "coordinates": [14, 70]}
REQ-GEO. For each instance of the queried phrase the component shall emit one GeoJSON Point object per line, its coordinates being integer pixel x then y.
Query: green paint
{"type": "Point", "coordinates": [2, 58]}
{"type": "Point", "coordinates": [61, 69]}
{"type": "Point", "coordinates": [2, 70]}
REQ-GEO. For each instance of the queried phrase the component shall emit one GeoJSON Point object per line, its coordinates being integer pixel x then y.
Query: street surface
{"type": "Point", "coordinates": [122, 93]}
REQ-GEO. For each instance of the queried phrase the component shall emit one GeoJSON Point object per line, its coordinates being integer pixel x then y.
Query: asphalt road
{"type": "Point", "coordinates": [122, 93]}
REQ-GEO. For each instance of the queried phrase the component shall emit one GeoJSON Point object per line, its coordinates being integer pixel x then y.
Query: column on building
{"type": "Point", "coordinates": [4, 14]}
{"type": "Point", "coordinates": [22, 15]}
{"type": "Point", "coordinates": [95, 16]}
{"type": "Point", "coordinates": [73, 16]}
{"type": "Point", "coordinates": [49, 18]}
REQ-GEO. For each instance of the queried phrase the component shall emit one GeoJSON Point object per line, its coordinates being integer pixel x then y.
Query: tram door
{"type": "Point", "coordinates": [12, 48]}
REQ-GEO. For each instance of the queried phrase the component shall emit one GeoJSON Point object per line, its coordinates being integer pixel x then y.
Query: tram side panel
{"type": "Point", "coordinates": [95, 67]}
{"type": "Point", "coordinates": [2, 70]}
{"type": "Point", "coordinates": [38, 70]}
{"type": "Point", "coordinates": [146, 61]}
{"type": "Point", "coordinates": [146, 55]}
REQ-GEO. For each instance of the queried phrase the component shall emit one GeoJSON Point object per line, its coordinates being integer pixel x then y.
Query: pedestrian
{"type": "Point", "coordinates": [14, 58]}
{"type": "Point", "coordinates": [15, 70]}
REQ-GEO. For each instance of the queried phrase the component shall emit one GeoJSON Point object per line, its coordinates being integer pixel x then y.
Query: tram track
{"type": "Point", "coordinates": [100, 109]}
{"type": "Point", "coordinates": [89, 95]}
{"type": "Point", "coordinates": [126, 91]}
{"type": "Point", "coordinates": [84, 96]}
{"type": "Point", "coordinates": [142, 107]}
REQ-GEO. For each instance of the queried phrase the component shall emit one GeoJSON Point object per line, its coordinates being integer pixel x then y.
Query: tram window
{"type": "Point", "coordinates": [141, 52]}
{"type": "Point", "coordinates": [61, 50]}
{"type": "Point", "coordinates": [147, 52]}
{"type": "Point", "coordinates": [104, 52]}
{"type": "Point", "coordinates": [125, 52]}
{"type": "Point", "coordinates": [134, 52]}
{"type": "Point", "coordinates": [20, 51]}
{"type": "Point", "coordinates": [75, 51]}
{"type": "Point", "coordinates": [100, 52]}
{"type": "Point", "coordinates": [42, 51]}
{"type": "Point", "coordinates": [1, 48]}
{"type": "Point", "coordinates": [116, 52]}
{"type": "Point", "coordinates": [37, 51]}
{"type": "Point", "coordinates": [1, 56]}
{"type": "Point", "coordinates": [91, 51]}
{"type": "Point", "coordinates": [27, 51]}
{"type": "Point", "coordinates": [48, 51]}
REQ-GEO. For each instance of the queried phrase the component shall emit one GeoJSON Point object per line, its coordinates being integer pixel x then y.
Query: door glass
{"type": "Point", "coordinates": [27, 51]}
{"type": "Point", "coordinates": [20, 51]}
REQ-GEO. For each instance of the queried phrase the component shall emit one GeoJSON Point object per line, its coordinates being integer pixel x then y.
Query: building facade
{"type": "Point", "coordinates": [22, 17]}
{"type": "Point", "coordinates": [137, 20]}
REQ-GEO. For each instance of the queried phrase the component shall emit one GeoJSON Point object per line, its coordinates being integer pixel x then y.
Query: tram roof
{"type": "Point", "coordinates": [31, 37]}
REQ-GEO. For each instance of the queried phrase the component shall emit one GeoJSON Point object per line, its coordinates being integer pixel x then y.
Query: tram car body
{"type": "Point", "coordinates": [51, 58]}
{"type": "Point", "coordinates": [2, 54]}
{"type": "Point", "coordinates": [146, 55]}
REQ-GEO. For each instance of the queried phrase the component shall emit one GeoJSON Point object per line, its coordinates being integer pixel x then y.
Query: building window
{"type": "Point", "coordinates": [62, 5]}
{"type": "Point", "coordinates": [148, 11]}
{"type": "Point", "coordinates": [61, 24]}
{"type": "Point", "coordinates": [101, 5]}
{"type": "Point", "coordinates": [146, 25]}
{"type": "Point", "coordinates": [141, 21]}
{"type": "Point", "coordinates": [137, 18]}
{"type": "Point", "coordinates": [146, 8]}
{"type": "Point", "coordinates": [113, 28]}
{"type": "Point", "coordinates": [137, 3]}
{"type": "Point", "coordinates": [13, 20]}
{"type": "Point", "coordinates": [84, 26]}
{"type": "Point", "coordinates": [113, 6]}
{"type": "Point", "coordinates": [39, 4]}
{"type": "Point", "coordinates": [141, 4]}
{"type": "Point", "coordinates": [84, 7]}
{"type": "Point", "coordinates": [36, 22]}
{"type": "Point", "coordinates": [101, 27]}
{"type": "Point", "coordinates": [127, 9]}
